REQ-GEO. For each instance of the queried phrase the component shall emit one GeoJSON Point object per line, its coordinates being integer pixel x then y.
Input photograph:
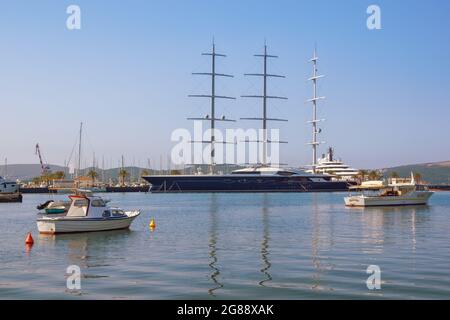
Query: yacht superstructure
{"type": "Point", "coordinates": [335, 167]}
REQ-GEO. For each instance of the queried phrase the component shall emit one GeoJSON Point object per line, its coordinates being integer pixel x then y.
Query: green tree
{"type": "Point", "coordinates": [394, 174]}
{"type": "Point", "coordinates": [59, 175]}
{"type": "Point", "coordinates": [93, 175]}
{"type": "Point", "coordinates": [123, 174]}
{"type": "Point", "coordinates": [36, 180]}
{"type": "Point", "coordinates": [417, 176]}
{"type": "Point", "coordinates": [144, 172]}
{"type": "Point", "coordinates": [362, 174]}
{"type": "Point", "coordinates": [49, 177]}
{"type": "Point", "coordinates": [374, 175]}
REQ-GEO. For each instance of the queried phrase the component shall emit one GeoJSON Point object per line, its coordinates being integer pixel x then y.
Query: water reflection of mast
{"type": "Point", "coordinates": [413, 229]}
{"type": "Point", "coordinates": [265, 243]}
{"type": "Point", "coordinates": [315, 243]}
{"type": "Point", "coordinates": [212, 246]}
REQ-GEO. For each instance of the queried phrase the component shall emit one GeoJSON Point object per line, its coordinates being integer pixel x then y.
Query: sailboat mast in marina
{"type": "Point", "coordinates": [315, 130]}
{"type": "Point", "coordinates": [79, 152]}
{"type": "Point", "coordinates": [264, 97]}
{"type": "Point", "coordinates": [212, 96]}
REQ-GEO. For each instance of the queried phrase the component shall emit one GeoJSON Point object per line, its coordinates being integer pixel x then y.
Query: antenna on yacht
{"type": "Point", "coordinates": [315, 130]}
{"type": "Point", "coordinates": [330, 154]}
{"type": "Point", "coordinates": [264, 98]}
{"type": "Point", "coordinates": [212, 118]}
{"type": "Point", "coordinates": [103, 168]}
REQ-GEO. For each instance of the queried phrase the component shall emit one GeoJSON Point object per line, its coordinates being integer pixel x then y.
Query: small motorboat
{"type": "Point", "coordinates": [87, 213]}
{"type": "Point", "coordinates": [9, 191]}
{"type": "Point", "coordinates": [379, 193]}
{"type": "Point", "coordinates": [61, 207]}
{"type": "Point", "coordinates": [54, 207]}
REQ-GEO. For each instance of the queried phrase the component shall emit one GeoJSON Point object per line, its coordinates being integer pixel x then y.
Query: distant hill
{"type": "Point", "coordinates": [26, 172]}
{"type": "Point", "coordinates": [435, 172]}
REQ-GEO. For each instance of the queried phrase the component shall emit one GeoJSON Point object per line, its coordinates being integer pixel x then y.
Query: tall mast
{"type": "Point", "coordinates": [103, 168]}
{"type": "Point", "coordinates": [79, 150]}
{"type": "Point", "coordinates": [212, 119]}
{"type": "Point", "coordinates": [315, 130]}
{"type": "Point", "coordinates": [122, 169]}
{"type": "Point", "coordinates": [264, 98]}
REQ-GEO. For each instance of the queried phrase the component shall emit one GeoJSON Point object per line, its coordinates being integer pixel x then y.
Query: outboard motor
{"type": "Point", "coordinates": [44, 205]}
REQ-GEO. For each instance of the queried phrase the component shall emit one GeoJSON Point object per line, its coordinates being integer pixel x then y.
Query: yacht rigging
{"type": "Point", "coordinates": [264, 97]}
{"type": "Point", "coordinates": [212, 96]}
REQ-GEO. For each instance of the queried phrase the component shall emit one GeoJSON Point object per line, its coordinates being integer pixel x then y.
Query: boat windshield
{"type": "Point", "coordinates": [389, 193]}
{"type": "Point", "coordinates": [98, 203]}
{"type": "Point", "coordinates": [285, 173]}
{"type": "Point", "coordinates": [113, 213]}
{"type": "Point", "coordinates": [245, 172]}
{"type": "Point", "coordinates": [80, 203]}
{"type": "Point", "coordinates": [117, 212]}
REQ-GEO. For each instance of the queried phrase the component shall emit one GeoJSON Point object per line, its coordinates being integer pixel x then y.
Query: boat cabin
{"type": "Point", "coordinates": [8, 186]}
{"type": "Point", "coordinates": [382, 189]}
{"type": "Point", "coordinates": [93, 207]}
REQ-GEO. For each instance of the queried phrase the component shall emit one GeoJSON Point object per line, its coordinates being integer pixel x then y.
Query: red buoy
{"type": "Point", "coordinates": [29, 239]}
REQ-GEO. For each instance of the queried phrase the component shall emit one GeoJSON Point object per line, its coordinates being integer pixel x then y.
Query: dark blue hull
{"type": "Point", "coordinates": [237, 183]}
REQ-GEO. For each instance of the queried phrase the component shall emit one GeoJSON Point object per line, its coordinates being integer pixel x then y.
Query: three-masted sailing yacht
{"type": "Point", "coordinates": [262, 177]}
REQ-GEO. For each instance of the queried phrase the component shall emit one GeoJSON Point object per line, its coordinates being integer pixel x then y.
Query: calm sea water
{"type": "Point", "coordinates": [249, 246]}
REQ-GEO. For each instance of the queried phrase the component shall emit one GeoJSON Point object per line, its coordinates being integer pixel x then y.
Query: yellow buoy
{"type": "Point", "coordinates": [152, 224]}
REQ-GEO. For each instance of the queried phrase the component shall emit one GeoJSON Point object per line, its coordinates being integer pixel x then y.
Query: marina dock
{"type": "Point", "coordinates": [50, 190]}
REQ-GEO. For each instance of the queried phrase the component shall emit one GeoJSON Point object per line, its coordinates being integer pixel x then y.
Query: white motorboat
{"type": "Point", "coordinates": [8, 186]}
{"type": "Point", "coordinates": [9, 191]}
{"type": "Point", "coordinates": [87, 213]}
{"type": "Point", "coordinates": [378, 193]}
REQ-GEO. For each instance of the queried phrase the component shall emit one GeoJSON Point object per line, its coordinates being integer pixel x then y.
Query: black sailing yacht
{"type": "Point", "coordinates": [258, 178]}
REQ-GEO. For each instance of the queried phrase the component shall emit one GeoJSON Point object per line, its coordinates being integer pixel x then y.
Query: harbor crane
{"type": "Point", "coordinates": [45, 169]}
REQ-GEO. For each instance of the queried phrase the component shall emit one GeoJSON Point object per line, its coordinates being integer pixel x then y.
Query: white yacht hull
{"type": "Point", "coordinates": [50, 225]}
{"type": "Point", "coordinates": [414, 198]}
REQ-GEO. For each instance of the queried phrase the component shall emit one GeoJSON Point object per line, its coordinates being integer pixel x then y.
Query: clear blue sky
{"type": "Point", "coordinates": [127, 73]}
